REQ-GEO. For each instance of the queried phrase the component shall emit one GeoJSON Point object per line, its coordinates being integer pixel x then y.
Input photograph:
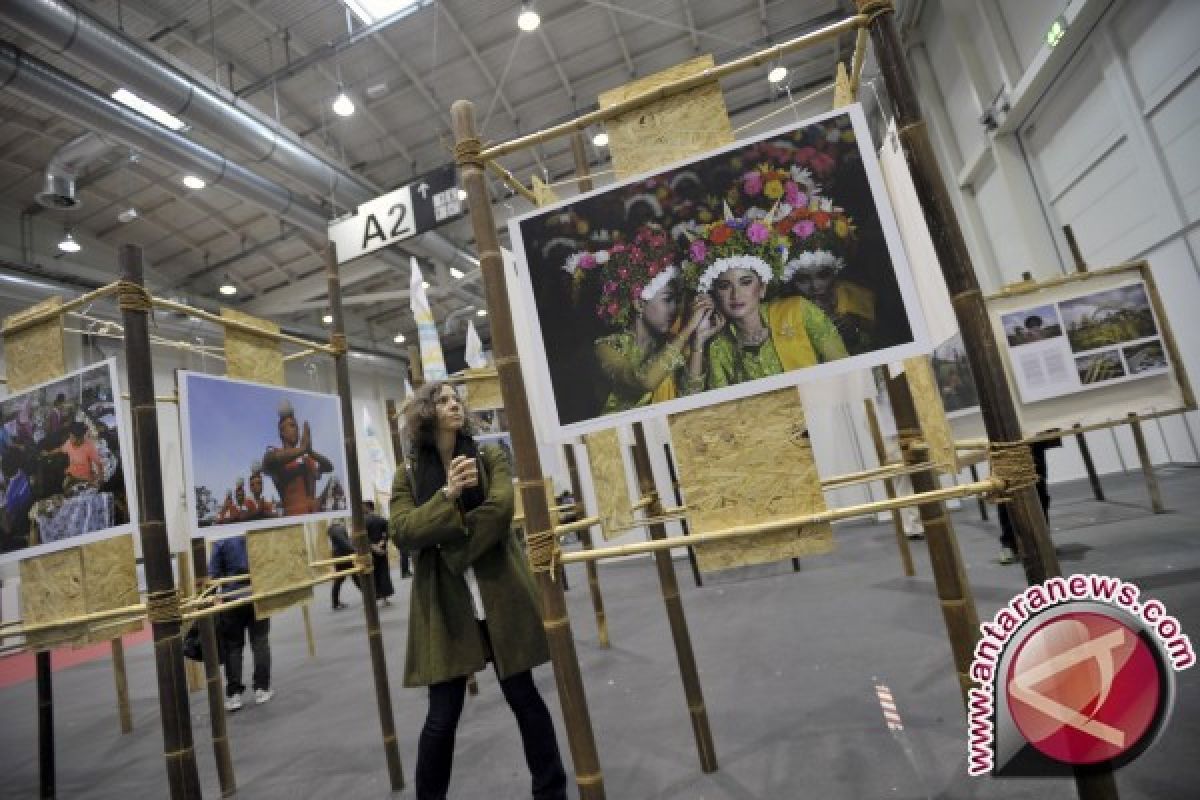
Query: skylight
{"type": "Point", "coordinates": [128, 98]}
{"type": "Point", "coordinates": [370, 11]}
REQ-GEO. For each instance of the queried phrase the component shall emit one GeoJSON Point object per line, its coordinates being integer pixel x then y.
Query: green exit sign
{"type": "Point", "coordinates": [1058, 29]}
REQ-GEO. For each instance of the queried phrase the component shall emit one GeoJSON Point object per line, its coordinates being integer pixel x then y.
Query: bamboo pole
{"type": "Point", "coordinates": [512, 181]}
{"type": "Point", "coordinates": [889, 488]}
{"type": "Point", "coordinates": [1038, 558]}
{"type": "Point", "coordinates": [985, 486]}
{"type": "Point", "coordinates": [572, 698]}
{"type": "Point", "coordinates": [858, 60]}
{"type": "Point", "coordinates": [187, 590]}
{"type": "Point", "coordinates": [228, 322]}
{"type": "Point", "coordinates": [585, 539]}
{"type": "Point", "coordinates": [683, 523]}
{"type": "Point", "coordinates": [45, 704]}
{"type": "Point", "coordinates": [1139, 440]}
{"type": "Point", "coordinates": [1086, 454]}
{"type": "Point", "coordinates": [212, 679]}
{"type": "Point", "coordinates": [669, 584]}
{"type": "Point", "coordinates": [945, 559]}
{"type": "Point", "coordinates": [66, 306]}
{"type": "Point", "coordinates": [308, 631]}
{"type": "Point", "coordinates": [383, 694]}
{"type": "Point", "coordinates": [884, 472]}
{"type": "Point", "coordinates": [757, 59]}
{"type": "Point", "coordinates": [124, 713]}
{"type": "Point", "coordinates": [183, 778]}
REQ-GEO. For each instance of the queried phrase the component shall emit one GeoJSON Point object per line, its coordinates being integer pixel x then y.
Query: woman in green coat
{"type": "Point", "coordinates": [473, 597]}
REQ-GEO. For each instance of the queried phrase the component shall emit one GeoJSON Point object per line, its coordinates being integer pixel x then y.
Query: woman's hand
{"type": "Point", "coordinates": [463, 474]}
{"type": "Point", "coordinates": [706, 321]}
{"type": "Point", "coordinates": [306, 439]}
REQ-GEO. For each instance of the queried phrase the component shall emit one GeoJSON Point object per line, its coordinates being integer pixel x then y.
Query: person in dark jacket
{"type": "Point", "coordinates": [473, 597]}
{"type": "Point", "coordinates": [228, 559]}
{"type": "Point", "coordinates": [339, 545]}
{"type": "Point", "coordinates": [377, 535]}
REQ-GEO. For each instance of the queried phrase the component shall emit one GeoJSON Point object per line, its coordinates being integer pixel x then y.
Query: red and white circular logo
{"type": "Point", "coordinates": [1084, 688]}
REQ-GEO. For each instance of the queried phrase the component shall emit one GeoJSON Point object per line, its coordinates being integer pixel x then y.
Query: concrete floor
{"type": "Point", "coordinates": [787, 661]}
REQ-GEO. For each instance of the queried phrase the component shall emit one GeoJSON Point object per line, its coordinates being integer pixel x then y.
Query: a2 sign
{"type": "Point", "coordinates": [415, 208]}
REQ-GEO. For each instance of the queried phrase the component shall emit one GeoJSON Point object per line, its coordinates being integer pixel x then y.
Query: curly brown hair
{"type": "Point", "coordinates": [420, 414]}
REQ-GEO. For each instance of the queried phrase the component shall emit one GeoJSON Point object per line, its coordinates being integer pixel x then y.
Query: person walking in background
{"type": "Point", "coordinates": [377, 535]}
{"type": "Point", "coordinates": [339, 545]}
{"type": "Point", "coordinates": [228, 559]}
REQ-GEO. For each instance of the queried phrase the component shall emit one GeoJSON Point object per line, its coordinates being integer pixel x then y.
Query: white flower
{"type": "Point", "coordinates": [572, 263]}
{"type": "Point", "coordinates": [660, 280]}
{"type": "Point", "coordinates": [601, 256]}
{"type": "Point", "coordinates": [811, 261]}
{"type": "Point", "coordinates": [752, 263]}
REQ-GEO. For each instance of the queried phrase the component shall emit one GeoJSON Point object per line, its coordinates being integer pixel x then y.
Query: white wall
{"type": "Point", "coordinates": [1108, 148]}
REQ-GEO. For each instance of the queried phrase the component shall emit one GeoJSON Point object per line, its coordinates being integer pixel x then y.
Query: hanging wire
{"type": "Point", "coordinates": [500, 85]}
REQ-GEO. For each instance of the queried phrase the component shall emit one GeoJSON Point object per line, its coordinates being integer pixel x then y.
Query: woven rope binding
{"type": "Point", "coordinates": [163, 606]}
{"type": "Point", "coordinates": [133, 297]}
{"type": "Point", "coordinates": [469, 152]}
{"type": "Point", "coordinates": [1012, 462]}
{"type": "Point", "coordinates": [544, 552]}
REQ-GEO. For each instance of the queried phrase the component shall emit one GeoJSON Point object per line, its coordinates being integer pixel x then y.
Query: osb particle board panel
{"type": "Point", "coordinates": [278, 558]}
{"type": "Point", "coordinates": [756, 471]}
{"type": "Point", "coordinates": [110, 581]}
{"type": "Point", "coordinates": [609, 482]}
{"type": "Point", "coordinates": [35, 354]}
{"type": "Point", "coordinates": [52, 589]}
{"type": "Point", "coordinates": [669, 130]}
{"type": "Point", "coordinates": [483, 388]}
{"type": "Point", "coordinates": [250, 357]}
{"type": "Point", "coordinates": [931, 414]}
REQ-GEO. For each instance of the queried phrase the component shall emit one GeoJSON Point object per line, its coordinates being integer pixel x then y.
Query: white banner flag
{"type": "Point", "coordinates": [433, 364]}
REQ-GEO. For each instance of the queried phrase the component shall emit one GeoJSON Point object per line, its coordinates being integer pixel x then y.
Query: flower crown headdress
{"type": "Point", "coordinates": [737, 243]}
{"type": "Point", "coordinates": [627, 272]}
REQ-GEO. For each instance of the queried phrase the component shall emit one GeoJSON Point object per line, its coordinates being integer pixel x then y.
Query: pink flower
{"type": "Point", "coordinates": [617, 248]}
{"type": "Point", "coordinates": [793, 195]}
{"type": "Point", "coordinates": [610, 287]}
{"type": "Point", "coordinates": [637, 290]}
{"type": "Point", "coordinates": [758, 233]}
{"type": "Point", "coordinates": [654, 270]}
{"type": "Point", "coordinates": [822, 163]}
{"type": "Point", "coordinates": [613, 308]}
{"type": "Point", "coordinates": [623, 273]}
{"type": "Point", "coordinates": [698, 251]}
{"type": "Point", "coordinates": [587, 261]}
{"type": "Point", "coordinates": [804, 228]}
{"type": "Point", "coordinates": [752, 184]}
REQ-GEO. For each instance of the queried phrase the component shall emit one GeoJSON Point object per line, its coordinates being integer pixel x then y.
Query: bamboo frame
{"type": "Point", "coordinates": [21, 323]}
{"type": "Point", "coordinates": [889, 488]}
{"type": "Point", "coordinates": [585, 535]}
{"type": "Point", "coordinates": [757, 59]}
{"type": "Point", "coordinates": [985, 486]}
{"type": "Point", "coordinates": [216, 319]}
{"type": "Point", "coordinates": [510, 180]}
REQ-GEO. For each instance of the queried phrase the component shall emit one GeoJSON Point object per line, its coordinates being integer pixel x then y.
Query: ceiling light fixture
{"type": "Point", "coordinates": [370, 11]}
{"type": "Point", "coordinates": [227, 287]}
{"type": "Point", "coordinates": [462, 194]}
{"type": "Point", "coordinates": [327, 319]}
{"type": "Point", "coordinates": [424, 284]}
{"type": "Point", "coordinates": [481, 312]}
{"type": "Point", "coordinates": [343, 106]}
{"type": "Point", "coordinates": [528, 20]}
{"type": "Point", "coordinates": [398, 338]}
{"type": "Point", "coordinates": [193, 182]}
{"type": "Point", "coordinates": [128, 215]}
{"type": "Point", "coordinates": [69, 245]}
{"type": "Point", "coordinates": [777, 75]}
{"type": "Point", "coordinates": [146, 108]}
{"type": "Point", "coordinates": [600, 139]}
{"type": "Point", "coordinates": [457, 273]}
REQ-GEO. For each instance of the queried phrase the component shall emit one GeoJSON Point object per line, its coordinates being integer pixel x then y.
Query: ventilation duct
{"type": "Point", "coordinates": [40, 83]}
{"type": "Point", "coordinates": [65, 165]}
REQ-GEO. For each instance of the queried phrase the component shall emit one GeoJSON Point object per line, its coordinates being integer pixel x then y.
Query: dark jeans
{"type": "Point", "coordinates": [435, 750]}
{"type": "Point", "coordinates": [235, 626]}
{"type": "Point", "coordinates": [337, 584]}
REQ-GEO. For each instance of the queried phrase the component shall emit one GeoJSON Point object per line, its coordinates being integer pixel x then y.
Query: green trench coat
{"type": "Point", "coordinates": [444, 641]}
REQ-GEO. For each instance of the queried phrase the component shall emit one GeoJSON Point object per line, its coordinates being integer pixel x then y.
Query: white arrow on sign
{"type": "Point", "coordinates": [424, 190]}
